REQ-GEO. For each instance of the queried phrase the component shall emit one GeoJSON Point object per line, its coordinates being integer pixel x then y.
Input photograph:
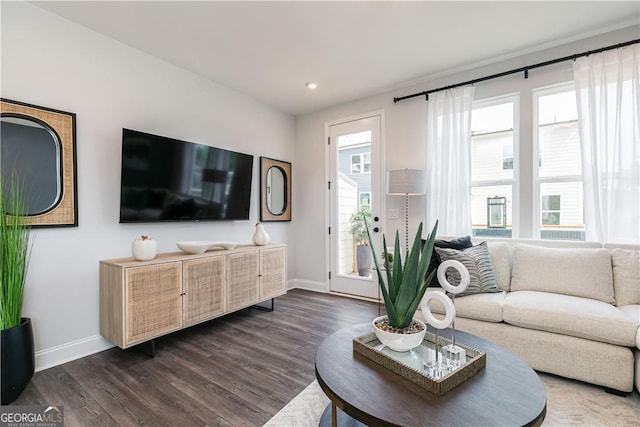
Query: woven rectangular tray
{"type": "Point", "coordinates": [410, 365]}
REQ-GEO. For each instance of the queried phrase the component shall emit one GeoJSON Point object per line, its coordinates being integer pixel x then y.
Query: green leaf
{"type": "Point", "coordinates": [14, 252]}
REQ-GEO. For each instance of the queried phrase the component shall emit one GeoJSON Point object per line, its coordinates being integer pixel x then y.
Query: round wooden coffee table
{"type": "Point", "coordinates": [507, 392]}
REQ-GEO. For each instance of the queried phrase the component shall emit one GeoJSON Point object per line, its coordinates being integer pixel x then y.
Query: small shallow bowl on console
{"type": "Point", "coordinates": [193, 247]}
{"type": "Point", "coordinates": [201, 246]}
{"type": "Point", "coordinates": [223, 245]}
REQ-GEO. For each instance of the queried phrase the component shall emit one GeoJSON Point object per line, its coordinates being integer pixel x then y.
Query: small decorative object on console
{"type": "Point", "coordinates": [260, 237]}
{"type": "Point", "coordinates": [201, 246]}
{"type": "Point", "coordinates": [144, 248]}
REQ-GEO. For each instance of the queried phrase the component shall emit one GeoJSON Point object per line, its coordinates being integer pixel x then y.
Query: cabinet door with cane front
{"type": "Point", "coordinates": [153, 301]}
{"type": "Point", "coordinates": [204, 289]}
{"type": "Point", "coordinates": [242, 279]}
{"type": "Point", "coordinates": [273, 272]}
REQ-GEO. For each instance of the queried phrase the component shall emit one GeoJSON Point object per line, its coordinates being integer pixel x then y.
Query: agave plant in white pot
{"type": "Point", "coordinates": [403, 286]}
{"type": "Point", "coordinates": [17, 349]}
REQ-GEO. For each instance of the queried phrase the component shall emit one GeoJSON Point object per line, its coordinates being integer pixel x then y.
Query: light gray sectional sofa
{"type": "Point", "coordinates": [566, 308]}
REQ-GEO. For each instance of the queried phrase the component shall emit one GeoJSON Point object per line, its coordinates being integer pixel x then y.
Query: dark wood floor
{"type": "Point", "coordinates": [238, 370]}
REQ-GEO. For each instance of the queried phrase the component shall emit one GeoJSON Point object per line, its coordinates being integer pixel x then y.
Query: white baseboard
{"type": "Point", "coordinates": [308, 285]}
{"type": "Point", "coordinates": [73, 350]}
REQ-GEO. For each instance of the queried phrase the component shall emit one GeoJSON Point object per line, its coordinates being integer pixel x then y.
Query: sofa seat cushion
{"type": "Point", "coordinates": [569, 315]}
{"type": "Point", "coordinates": [580, 272]}
{"type": "Point", "coordinates": [633, 311]}
{"type": "Point", "coordinates": [486, 307]}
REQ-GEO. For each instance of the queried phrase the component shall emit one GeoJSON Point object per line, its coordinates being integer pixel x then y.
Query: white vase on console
{"type": "Point", "coordinates": [144, 248]}
{"type": "Point", "coordinates": [260, 237]}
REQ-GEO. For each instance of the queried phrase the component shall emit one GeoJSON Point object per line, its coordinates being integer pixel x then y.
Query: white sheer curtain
{"type": "Point", "coordinates": [608, 95]}
{"type": "Point", "coordinates": [449, 160]}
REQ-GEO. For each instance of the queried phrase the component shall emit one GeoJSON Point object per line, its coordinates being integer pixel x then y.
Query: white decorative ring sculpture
{"type": "Point", "coordinates": [464, 276]}
{"type": "Point", "coordinates": [450, 310]}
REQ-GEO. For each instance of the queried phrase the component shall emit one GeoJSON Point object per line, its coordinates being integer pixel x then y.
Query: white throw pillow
{"type": "Point", "coordinates": [580, 272]}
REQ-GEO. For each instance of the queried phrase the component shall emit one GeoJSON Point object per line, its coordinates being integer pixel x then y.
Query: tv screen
{"type": "Point", "coordinates": [165, 179]}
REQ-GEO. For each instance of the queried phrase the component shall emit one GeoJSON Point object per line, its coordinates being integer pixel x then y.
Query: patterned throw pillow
{"type": "Point", "coordinates": [478, 262]}
{"type": "Point", "coordinates": [459, 243]}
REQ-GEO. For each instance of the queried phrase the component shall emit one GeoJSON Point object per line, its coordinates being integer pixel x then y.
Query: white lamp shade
{"type": "Point", "coordinates": [410, 182]}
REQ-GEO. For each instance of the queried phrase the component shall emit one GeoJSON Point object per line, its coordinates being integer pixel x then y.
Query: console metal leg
{"type": "Point", "coordinates": [148, 348]}
{"type": "Point", "coordinates": [259, 307]}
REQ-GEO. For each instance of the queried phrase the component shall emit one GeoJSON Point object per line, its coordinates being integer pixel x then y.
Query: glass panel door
{"type": "Point", "coordinates": [355, 197]}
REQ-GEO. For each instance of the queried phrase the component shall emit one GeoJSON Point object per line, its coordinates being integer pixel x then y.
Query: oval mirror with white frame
{"type": "Point", "coordinates": [275, 190]}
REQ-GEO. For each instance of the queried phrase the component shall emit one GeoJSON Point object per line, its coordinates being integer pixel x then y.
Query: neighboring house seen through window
{"type": "Point", "coordinates": [559, 175]}
{"type": "Point", "coordinates": [360, 163]}
{"type": "Point", "coordinates": [551, 209]}
{"type": "Point", "coordinates": [552, 184]}
{"type": "Point", "coordinates": [492, 142]}
{"type": "Point", "coordinates": [365, 199]}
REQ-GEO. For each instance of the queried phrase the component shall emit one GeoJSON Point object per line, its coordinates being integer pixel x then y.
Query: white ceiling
{"type": "Point", "coordinates": [268, 50]}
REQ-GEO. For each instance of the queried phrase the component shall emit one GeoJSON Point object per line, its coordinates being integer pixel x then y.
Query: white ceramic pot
{"type": "Point", "coordinates": [260, 237]}
{"type": "Point", "coordinates": [144, 248]}
{"type": "Point", "coordinates": [399, 342]}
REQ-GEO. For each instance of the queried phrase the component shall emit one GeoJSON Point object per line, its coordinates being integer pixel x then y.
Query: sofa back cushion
{"type": "Point", "coordinates": [501, 260]}
{"type": "Point", "coordinates": [578, 272]}
{"type": "Point", "coordinates": [626, 276]}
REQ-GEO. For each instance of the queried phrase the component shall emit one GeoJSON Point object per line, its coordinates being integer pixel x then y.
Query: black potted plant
{"type": "Point", "coordinates": [359, 221]}
{"type": "Point", "coordinates": [17, 349]}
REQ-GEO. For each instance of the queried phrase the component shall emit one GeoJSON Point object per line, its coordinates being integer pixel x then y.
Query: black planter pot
{"type": "Point", "coordinates": [18, 360]}
{"type": "Point", "coordinates": [364, 260]}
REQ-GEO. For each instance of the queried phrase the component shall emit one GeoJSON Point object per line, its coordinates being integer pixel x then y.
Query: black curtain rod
{"type": "Point", "coordinates": [517, 70]}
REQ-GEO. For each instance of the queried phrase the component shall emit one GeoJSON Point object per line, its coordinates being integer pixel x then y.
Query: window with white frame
{"type": "Point", "coordinates": [507, 155]}
{"type": "Point", "coordinates": [550, 208]}
{"type": "Point", "coordinates": [360, 163]}
{"type": "Point", "coordinates": [546, 194]}
{"type": "Point", "coordinates": [558, 177]}
{"type": "Point", "coordinates": [365, 198]}
{"type": "Point", "coordinates": [492, 162]}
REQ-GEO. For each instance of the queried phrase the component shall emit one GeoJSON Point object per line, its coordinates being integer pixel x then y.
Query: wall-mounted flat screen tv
{"type": "Point", "coordinates": [165, 179]}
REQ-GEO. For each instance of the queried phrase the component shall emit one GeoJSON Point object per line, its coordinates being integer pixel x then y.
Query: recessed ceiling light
{"type": "Point", "coordinates": [311, 85]}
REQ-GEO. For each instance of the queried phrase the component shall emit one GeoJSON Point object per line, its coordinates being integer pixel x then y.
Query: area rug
{"type": "Point", "coordinates": [304, 410]}
{"type": "Point", "coordinates": [569, 403]}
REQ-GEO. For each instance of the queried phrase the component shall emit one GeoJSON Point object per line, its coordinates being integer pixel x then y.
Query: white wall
{"type": "Point", "coordinates": [405, 141]}
{"type": "Point", "coordinates": [51, 62]}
